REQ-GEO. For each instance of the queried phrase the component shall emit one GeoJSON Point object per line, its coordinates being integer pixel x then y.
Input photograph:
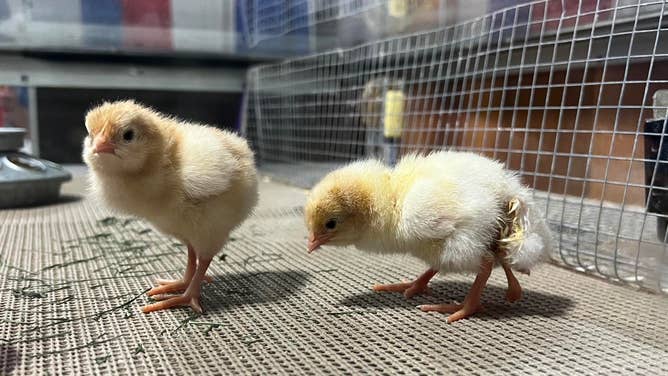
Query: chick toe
{"type": "Point", "coordinates": [185, 300]}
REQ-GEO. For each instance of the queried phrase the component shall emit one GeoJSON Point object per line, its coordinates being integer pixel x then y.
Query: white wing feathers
{"type": "Point", "coordinates": [428, 212]}
{"type": "Point", "coordinates": [207, 166]}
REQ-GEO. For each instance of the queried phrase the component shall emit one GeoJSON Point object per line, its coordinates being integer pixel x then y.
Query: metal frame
{"type": "Point", "coordinates": [28, 71]}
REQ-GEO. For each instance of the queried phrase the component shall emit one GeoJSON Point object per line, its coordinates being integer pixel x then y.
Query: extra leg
{"type": "Point", "coordinates": [471, 302]}
{"type": "Point", "coordinates": [410, 289]}
{"type": "Point", "coordinates": [191, 296]}
{"type": "Point", "coordinates": [514, 292]}
{"type": "Point", "coordinates": [168, 286]}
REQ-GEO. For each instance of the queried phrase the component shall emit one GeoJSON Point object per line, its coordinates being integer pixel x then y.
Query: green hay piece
{"type": "Point", "coordinates": [108, 221]}
{"type": "Point", "coordinates": [343, 313]}
{"type": "Point", "coordinates": [250, 340]}
{"type": "Point", "coordinates": [122, 305]}
{"type": "Point", "coordinates": [256, 259]}
{"type": "Point", "coordinates": [183, 323]}
{"type": "Point", "coordinates": [102, 359]}
{"type": "Point", "coordinates": [15, 323]}
{"type": "Point", "coordinates": [97, 341]}
{"type": "Point", "coordinates": [22, 293]}
{"type": "Point", "coordinates": [144, 231]}
{"type": "Point", "coordinates": [35, 339]}
{"type": "Point", "coordinates": [139, 349]}
{"type": "Point", "coordinates": [128, 221]}
{"type": "Point", "coordinates": [64, 264]}
{"type": "Point", "coordinates": [326, 270]}
{"type": "Point", "coordinates": [209, 324]}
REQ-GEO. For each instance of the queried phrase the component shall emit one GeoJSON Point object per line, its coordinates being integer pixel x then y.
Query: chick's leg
{"type": "Point", "coordinates": [169, 286]}
{"type": "Point", "coordinates": [471, 302]}
{"type": "Point", "coordinates": [514, 292]}
{"type": "Point", "coordinates": [191, 296]}
{"type": "Point", "coordinates": [410, 289]}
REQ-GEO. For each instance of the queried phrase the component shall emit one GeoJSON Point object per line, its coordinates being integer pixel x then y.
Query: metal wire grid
{"type": "Point", "coordinates": [563, 98]}
{"type": "Point", "coordinates": [272, 19]}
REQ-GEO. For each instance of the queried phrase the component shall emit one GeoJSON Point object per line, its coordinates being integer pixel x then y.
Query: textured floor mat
{"type": "Point", "coordinates": [72, 281]}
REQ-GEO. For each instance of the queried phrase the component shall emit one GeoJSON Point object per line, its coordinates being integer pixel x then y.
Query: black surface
{"type": "Point", "coordinates": [61, 114]}
{"type": "Point", "coordinates": [656, 150]}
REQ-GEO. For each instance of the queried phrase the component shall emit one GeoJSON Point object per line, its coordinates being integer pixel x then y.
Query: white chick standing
{"type": "Point", "coordinates": [457, 212]}
{"type": "Point", "coordinates": [193, 182]}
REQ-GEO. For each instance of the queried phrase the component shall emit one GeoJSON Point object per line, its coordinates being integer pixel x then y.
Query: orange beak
{"type": "Point", "coordinates": [104, 146]}
{"type": "Point", "coordinates": [315, 241]}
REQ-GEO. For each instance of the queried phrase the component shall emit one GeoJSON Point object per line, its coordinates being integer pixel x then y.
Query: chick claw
{"type": "Point", "coordinates": [169, 286]}
{"type": "Point", "coordinates": [409, 289]}
{"type": "Point", "coordinates": [185, 300]}
{"type": "Point", "coordinates": [471, 302]}
{"type": "Point", "coordinates": [456, 311]}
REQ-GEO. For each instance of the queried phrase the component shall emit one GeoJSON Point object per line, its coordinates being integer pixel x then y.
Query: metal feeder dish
{"type": "Point", "coordinates": [24, 179]}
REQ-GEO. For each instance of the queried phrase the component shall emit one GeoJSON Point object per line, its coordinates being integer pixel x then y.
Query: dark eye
{"type": "Point", "coordinates": [128, 135]}
{"type": "Point", "coordinates": [331, 224]}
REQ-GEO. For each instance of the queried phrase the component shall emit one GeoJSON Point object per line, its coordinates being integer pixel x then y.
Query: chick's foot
{"type": "Point", "coordinates": [471, 303]}
{"type": "Point", "coordinates": [456, 311]}
{"type": "Point", "coordinates": [185, 300]}
{"type": "Point", "coordinates": [161, 281]}
{"type": "Point", "coordinates": [191, 296]}
{"type": "Point", "coordinates": [410, 289]}
{"type": "Point", "coordinates": [170, 286]}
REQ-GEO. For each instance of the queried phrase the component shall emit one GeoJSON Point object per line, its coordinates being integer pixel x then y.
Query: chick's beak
{"type": "Point", "coordinates": [315, 241]}
{"type": "Point", "coordinates": [103, 146]}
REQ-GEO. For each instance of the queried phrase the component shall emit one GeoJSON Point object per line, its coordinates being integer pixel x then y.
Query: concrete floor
{"type": "Point", "coordinates": [71, 288]}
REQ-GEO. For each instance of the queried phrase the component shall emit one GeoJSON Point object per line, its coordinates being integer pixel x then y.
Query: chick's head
{"type": "Point", "coordinates": [338, 211]}
{"type": "Point", "coordinates": [122, 137]}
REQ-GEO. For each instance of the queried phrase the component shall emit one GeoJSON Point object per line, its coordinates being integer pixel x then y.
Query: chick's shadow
{"type": "Point", "coordinates": [230, 290]}
{"type": "Point", "coordinates": [533, 303]}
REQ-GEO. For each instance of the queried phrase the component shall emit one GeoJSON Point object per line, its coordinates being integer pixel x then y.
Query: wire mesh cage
{"type": "Point", "coordinates": [568, 95]}
{"type": "Point", "coordinates": [336, 23]}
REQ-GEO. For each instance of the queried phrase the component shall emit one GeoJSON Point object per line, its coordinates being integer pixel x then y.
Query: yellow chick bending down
{"type": "Point", "coordinates": [457, 212]}
{"type": "Point", "coordinates": [193, 182]}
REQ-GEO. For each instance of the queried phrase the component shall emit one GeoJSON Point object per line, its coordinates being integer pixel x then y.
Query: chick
{"type": "Point", "coordinates": [193, 182]}
{"type": "Point", "coordinates": [457, 212]}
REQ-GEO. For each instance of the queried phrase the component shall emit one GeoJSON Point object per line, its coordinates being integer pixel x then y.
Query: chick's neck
{"type": "Point", "coordinates": [383, 212]}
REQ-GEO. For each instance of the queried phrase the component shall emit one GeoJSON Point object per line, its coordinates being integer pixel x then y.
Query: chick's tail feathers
{"type": "Point", "coordinates": [524, 237]}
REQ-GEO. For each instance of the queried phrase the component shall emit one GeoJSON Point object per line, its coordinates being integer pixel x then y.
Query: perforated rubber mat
{"type": "Point", "coordinates": [73, 279]}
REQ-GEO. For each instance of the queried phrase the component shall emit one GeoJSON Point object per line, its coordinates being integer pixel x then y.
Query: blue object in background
{"type": "Point", "coordinates": [102, 21]}
{"type": "Point", "coordinates": [273, 27]}
{"type": "Point", "coordinates": [22, 93]}
{"type": "Point", "coordinates": [4, 10]}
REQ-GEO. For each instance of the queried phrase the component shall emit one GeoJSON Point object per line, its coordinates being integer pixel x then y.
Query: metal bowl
{"type": "Point", "coordinates": [26, 180]}
{"type": "Point", "coordinates": [11, 139]}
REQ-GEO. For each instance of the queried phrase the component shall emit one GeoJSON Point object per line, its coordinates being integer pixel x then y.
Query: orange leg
{"type": "Point", "coordinates": [410, 289]}
{"type": "Point", "coordinates": [190, 296]}
{"type": "Point", "coordinates": [471, 302]}
{"type": "Point", "coordinates": [514, 292]}
{"type": "Point", "coordinates": [168, 286]}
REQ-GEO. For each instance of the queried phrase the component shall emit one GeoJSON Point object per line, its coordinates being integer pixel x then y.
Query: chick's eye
{"type": "Point", "coordinates": [331, 224]}
{"type": "Point", "coordinates": [128, 135]}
